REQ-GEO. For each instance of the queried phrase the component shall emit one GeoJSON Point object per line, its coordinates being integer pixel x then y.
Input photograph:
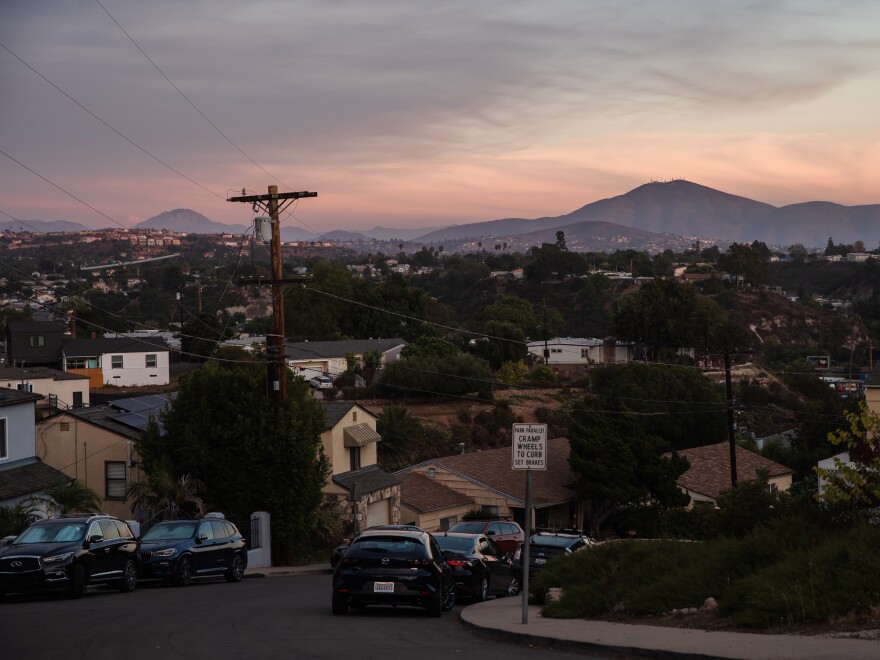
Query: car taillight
{"type": "Point", "coordinates": [420, 562]}
{"type": "Point", "coordinates": [464, 563]}
{"type": "Point", "coordinates": [349, 561]}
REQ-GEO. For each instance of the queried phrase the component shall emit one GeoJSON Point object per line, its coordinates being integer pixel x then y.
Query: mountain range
{"type": "Point", "coordinates": [671, 211]}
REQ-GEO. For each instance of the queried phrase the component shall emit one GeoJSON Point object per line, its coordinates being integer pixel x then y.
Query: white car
{"type": "Point", "coordinates": [321, 382]}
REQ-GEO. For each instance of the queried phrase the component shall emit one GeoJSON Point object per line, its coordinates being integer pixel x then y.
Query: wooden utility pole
{"type": "Point", "coordinates": [731, 424]}
{"type": "Point", "coordinates": [273, 203]}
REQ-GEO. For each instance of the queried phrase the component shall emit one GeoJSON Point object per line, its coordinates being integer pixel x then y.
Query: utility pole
{"type": "Point", "coordinates": [731, 424]}
{"type": "Point", "coordinates": [273, 203]}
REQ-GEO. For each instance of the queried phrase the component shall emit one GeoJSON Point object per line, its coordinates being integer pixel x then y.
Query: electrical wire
{"type": "Point", "coordinates": [39, 231]}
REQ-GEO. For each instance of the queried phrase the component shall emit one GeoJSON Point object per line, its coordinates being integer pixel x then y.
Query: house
{"type": "Point", "coordinates": [96, 446]}
{"type": "Point", "coordinates": [429, 504]}
{"type": "Point", "coordinates": [569, 353]}
{"type": "Point", "coordinates": [60, 389]}
{"type": "Point", "coordinates": [22, 474]}
{"type": "Point", "coordinates": [121, 361]}
{"type": "Point", "coordinates": [358, 490]}
{"type": "Point", "coordinates": [831, 464]}
{"type": "Point", "coordinates": [497, 490]}
{"type": "Point", "coordinates": [327, 358]}
{"type": "Point", "coordinates": [709, 473]}
{"type": "Point", "coordinates": [34, 343]}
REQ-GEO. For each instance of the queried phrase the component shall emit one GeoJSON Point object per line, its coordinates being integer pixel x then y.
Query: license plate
{"type": "Point", "coordinates": [383, 587]}
{"type": "Point", "coordinates": [540, 562]}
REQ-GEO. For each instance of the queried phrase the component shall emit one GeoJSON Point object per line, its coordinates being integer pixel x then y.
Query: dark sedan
{"type": "Point", "coordinates": [479, 567]}
{"type": "Point", "coordinates": [393, 567]}
{"type": "Point", "coordinates": [545, 546]}
{"type": "Point", "coordinates": [180, 550]}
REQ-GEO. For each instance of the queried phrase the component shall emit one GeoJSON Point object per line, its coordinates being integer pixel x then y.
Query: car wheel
{"type": "Point", "coordinates": [184, 573]}
{"type": "Point", "coordinates": [236, 571]}
{"type": "Point", "coordinates": [512, 586]}
{"type": "Point", "coordinates": [484, 589]}
{"type": "Point", "coordinates": [449, 599]}
{"type": "Point", "coordinates": [340, 607]}
{"type": "Point", "coordinates": [129, 577]}
{"type": "Point", "coordinates": [77, 581]}
{"type": "Point", "coordinates": [435, 606]}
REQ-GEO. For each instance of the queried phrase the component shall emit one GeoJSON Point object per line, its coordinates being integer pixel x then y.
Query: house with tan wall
{"type": "Point", "coordinates": [59, 389]}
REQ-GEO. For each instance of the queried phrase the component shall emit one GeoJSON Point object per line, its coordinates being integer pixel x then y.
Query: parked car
{"type": "Point", "coordinates": [506, 533]}
{"type": "Point", "coordinates": [180, 550]}
{"type": "Point", "coordinates": [68, 553]}
{"type": "Point", "coordinates": [339, 550]}
{"type": "Point", "coordinates": [545, 546]}
{"type": "Point", "coordinates": [393, 567]}
{"type": "Point", "coordinates": [321, 382]}
{"type": "Point", "coordinates": [478, 565]}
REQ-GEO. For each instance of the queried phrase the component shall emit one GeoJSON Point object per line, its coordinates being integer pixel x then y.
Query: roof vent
{"type": "Point", "coordinates": [432, 472]}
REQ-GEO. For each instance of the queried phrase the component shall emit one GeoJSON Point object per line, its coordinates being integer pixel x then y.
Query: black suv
{"type": "Point", "coordinates": [545, 546]}
{"type": "Point", "coordinates": [68, 553]}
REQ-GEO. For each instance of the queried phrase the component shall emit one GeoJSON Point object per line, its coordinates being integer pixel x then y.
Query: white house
{"type": "Point", "coordinates": [327, 358]}
{"type": "Point", "coordinates": [574, 352]}
{"type": "Point", "coordinates": [61, 389]}
{"type": "Point", "coordinates": [122, 361]}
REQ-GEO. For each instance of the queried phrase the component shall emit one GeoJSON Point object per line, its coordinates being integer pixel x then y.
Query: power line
{"type": "Point", "coordinates": [39, 231]}
{"type": "Point", "coordinates": [112, 128]}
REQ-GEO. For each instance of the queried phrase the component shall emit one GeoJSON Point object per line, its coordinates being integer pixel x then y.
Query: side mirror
{"type": "Point", "coordinates": [201, 537]}
{"type": "Point", "coordinates": [97, 538]}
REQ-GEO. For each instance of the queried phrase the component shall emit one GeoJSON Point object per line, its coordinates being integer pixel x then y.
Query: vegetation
{"type": "Point", "coordinates": [69, 496]}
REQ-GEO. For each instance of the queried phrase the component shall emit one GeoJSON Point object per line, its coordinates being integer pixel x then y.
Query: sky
{"type": "Point", "coordinates": [403, 113]}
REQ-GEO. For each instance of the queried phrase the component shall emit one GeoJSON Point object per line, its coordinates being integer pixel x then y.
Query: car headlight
{"type": "Point", "coordinates": [64, 556]}
{"type": "Point", "coordinates": [168, 552]}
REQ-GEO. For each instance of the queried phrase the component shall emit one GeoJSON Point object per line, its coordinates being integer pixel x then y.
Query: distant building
{"type": "Point", "coordinates": [34, 343]}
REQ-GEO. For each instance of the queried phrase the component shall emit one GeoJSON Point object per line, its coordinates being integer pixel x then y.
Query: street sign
{"type": "Point", "coordinates": [529, 446]}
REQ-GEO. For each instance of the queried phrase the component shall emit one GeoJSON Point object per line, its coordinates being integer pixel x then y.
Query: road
{"type": "Point", "coordinates": [278, 617]}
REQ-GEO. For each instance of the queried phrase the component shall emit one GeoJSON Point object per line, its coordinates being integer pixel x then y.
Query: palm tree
{"type": "Point", "coordinates": [69, 496]}
{"type": "Point", "coordinates": [402, 436]}
{"type": "Point", "coordinates": [163, 489]}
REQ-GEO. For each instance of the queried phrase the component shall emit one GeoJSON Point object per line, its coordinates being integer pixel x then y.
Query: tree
{"type": "Point", "coordinates": [855, 483]}
{"type": "Point", "coordinates": [427, 374]}
{"type": "Point", "coordinates": [616, 462]}
{"type": "Point", "coordinates": [200, 336]}
{"type": "Point", "coordinates": [163, 489]}
{"type": "Point", "coordinates": [747, 262]}
{"type": "Point", "coordinates": [250, 456]}
{"type": "Point", "coordinates": [402, 437]}
{"type": "Point", "coordinates": [69, 496]}
{"type": "Point", "coordinates": [505, 342]}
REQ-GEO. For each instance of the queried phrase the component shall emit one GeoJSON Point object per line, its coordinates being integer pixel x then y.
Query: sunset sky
{"type": "Point", "coordinates": [406, 113]}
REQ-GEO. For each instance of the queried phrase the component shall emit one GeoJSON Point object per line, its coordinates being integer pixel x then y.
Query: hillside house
{"type": "Point", "coordinates": [571, 354]}
{"type": "Point", "coordinates": [59, 389]}
{"type": "Point", "coordinates": [122, 361]}
{"type": "Point", "coordinates": [488, 480]}
{"type": "Point", "coordinates": [34, 343]}
{"type": "Point", "coordinates": [358, 490]}
{"type": "Point", "coordinates": [327, 358]}
{"type": "Point", "coordinates": [709, 473]}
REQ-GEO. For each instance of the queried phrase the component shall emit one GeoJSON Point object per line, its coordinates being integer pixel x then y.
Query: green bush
{"type": "Point", "coordinates": [790, 570]}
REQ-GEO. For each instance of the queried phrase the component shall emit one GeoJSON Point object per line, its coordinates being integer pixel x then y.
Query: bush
{"type": "Point", "coordinates": [542, 375]}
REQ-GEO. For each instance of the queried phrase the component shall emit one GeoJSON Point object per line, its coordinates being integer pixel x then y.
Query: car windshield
{"type": "Point", "coordinates": [456, 543]}
{"type": "Point", "coordinates": [395, 546]}
{"type": "Point", "coordinates": [553, 541]}
{"type": "Point", "coordinates": [52, 533]}
{"type": "Point", "coordinates": [170, 532]}
{"type": "Point", "coordinates": [468, 527]}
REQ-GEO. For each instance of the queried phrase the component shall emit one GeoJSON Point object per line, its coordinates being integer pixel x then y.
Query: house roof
{"type": "Point", "coordinates": [336, 410]}
{"type": "Point", "coordinates": [366, 480]}
{"type": "Point", "coordinates": [37, 373]}
{"type": "Point", "coordinates": [709, 473]}
{"type": "Point", "coordinates": [34, 326]}
{"type": "Point", "coordinates": [10, 397]}
{"type": "Point", "coordinates": [310, 350]}
{"type": "Point", "coordinates": [423, 494]}
{"type": "Point", "coordinates": [26, 476]}
{"type": "Point", "coordinates": [359, 435]}
{"type": "Point", "coordinates": [90, 347]}
{"type": "Point", "coordinates": [492, 469]}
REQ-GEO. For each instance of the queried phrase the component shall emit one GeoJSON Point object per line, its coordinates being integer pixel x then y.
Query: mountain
{"type": "Point", "coordinates": [590, 236]}
{"type": "Point", "coordinates": [395, 234]}
{"type": "Point", "coordinates": [691, 210]}
{"type": "Point", "coordinates": [189, 221]}
{"type": "Point", "coordinates": [41, 226]}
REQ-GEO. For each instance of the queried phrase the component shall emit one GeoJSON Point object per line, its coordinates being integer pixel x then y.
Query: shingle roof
{"type": "Point", "coordinates": [36, 373]}
{"type": "Point", "coordinates": [10, 397]}
{"type": "Point", "coordinates": [422, 494]}
{"type": "Point", "coordinates": [492, 469]}
{"type": "Point", "coordinates": [309, 350]}
{"type": "Point", "coordinates": [336, 410]}
{"type": "Point", "coordinates": [709, 473]}
{"type": "Point", "coordinates": [90, 347]}
{"type": "Point", "coordinates": [366, 480]}
{"type": "Point", "coordinates": [26, 476]}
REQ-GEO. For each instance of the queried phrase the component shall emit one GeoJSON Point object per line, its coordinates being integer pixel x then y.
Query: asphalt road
{"type": "Point", "coordinates": [278, 617]}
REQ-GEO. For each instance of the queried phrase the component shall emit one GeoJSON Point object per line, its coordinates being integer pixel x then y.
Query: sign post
{"type": "Point", "coordinates": [529, 452]}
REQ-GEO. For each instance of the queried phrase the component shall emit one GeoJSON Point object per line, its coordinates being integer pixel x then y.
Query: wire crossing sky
{"type": "Point", "coordinates": [415, 114]}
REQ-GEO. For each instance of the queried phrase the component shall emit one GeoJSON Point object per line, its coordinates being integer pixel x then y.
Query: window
{"type": "Point", "coordinates": [354, 415]}
{"type": "Point", "coordinates": [114, 480]}
{"type": "Point", "coordinates": [585, 353]}
{"type": "Point", "coordinates": [219, 529]}
{"type": "Point", "coordinates": [556, 350]}
{"type": "Point", "coordinates": [116, 362]}
{"type": "Point", "coordinates": [151, 360]}
{"type": "Point", "coordinates": [77, 399]}
{"type": "Point", "coordinates": [206, 532]}
{"type": "Point", "coordinates": [4, 444]}
{"type": "Point", "coordinates": [110, 530]}
{"type": "Point", "coordinates": [488, 510]}
{"type": "Point", "coordinates": [25, 387]}
{"type": "Point", "coordinates": [76, 363]}
{"type": "Point", "coordinates": [38, 340]}
{"type": "Point", "coordinates": [355, 458]}
{"type": "Point", "coordinates": [772, 487]}
{"type": "Point", "coordinates": [446, 523]}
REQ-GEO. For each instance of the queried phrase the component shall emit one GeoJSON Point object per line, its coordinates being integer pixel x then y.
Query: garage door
{"type": "Point", "coordinates": [378, 513]}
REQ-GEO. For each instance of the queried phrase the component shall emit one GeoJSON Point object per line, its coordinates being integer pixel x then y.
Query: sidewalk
{"type": "Point", "coordinates": [502, 618]}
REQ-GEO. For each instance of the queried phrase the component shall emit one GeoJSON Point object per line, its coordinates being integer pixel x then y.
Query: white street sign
{"type": "Point", "coordinates": [529, 446]}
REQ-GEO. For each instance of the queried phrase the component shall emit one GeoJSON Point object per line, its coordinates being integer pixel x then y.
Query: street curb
{"type": "Point", "coordinates": [573, 645]}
